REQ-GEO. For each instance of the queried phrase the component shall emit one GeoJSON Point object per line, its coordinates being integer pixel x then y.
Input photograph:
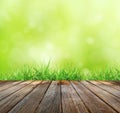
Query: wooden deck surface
{"type": "Point", "coordinates": [59, 97]}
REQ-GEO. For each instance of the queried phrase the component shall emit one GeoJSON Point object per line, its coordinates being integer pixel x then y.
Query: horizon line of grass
{"type": "Point", "coordinates": [32, 72]}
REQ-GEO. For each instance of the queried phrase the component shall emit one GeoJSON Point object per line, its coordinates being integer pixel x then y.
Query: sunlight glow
{"type": "Point", "coordinates": [78, 31]}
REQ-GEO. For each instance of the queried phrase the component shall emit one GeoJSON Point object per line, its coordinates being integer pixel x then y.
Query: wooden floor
{"type": "Point", "coordinates": [59, 97]}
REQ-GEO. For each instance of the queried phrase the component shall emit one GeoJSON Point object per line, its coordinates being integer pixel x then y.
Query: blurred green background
{"type": "Point", "coordinates": [84, 33]}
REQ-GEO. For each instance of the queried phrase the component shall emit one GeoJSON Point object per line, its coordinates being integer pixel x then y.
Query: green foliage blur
{"type": "Point", "coordinates": [83, 33]}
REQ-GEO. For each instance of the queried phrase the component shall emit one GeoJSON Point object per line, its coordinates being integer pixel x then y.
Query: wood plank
{"type": "Point", "coordinates": [8, 103]}
{"type": "Point", "coordinates": [117, 81]}
{"type": "Point", "coordinates": [67, 105]}
{"type": "Point", "coordinates": [51, 102]}
{"type": "Point", "coordinates": [13, 89]}
{"type": "Point", "coordinates": [3, 81]}
{"type": "Point", "coordinates": [71, 102]}
{"type": "Point", "coordinates": [91, 101]}
{"type": "Point", "coordinates": [8, 81]}
{"type": "Point", "coordinates": [31, 101]}
{"type": "Point", "coordinates": [110, 99]}
{"type": "Point", "coordinates": [59, 97]}
{"type": "Point", "coordinates": [5, 85]}
{"type": "Point", "coordinates": [111, 84]}
{"type": "Point", "coordinates": [111, 90]}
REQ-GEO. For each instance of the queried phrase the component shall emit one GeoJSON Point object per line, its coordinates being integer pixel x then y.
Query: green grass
{"type": "Point", "coordinates": [30, 72]}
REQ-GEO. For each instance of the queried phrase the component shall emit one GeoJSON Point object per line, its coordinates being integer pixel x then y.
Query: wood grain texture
{"type": "Point", "coordinates": [9, 102]}
{"type": "Point", "coordinates": [31, 101]}
{"type": "Point", "coordinates": [110, 99]}
{"type": "Point", "coordinates": [111, 90]}
{"type": "Point", "coordinates": [71, 102]}
{"type": "Point", "coordinates": [59, 96]}
{"type": "Point", "coordinates": [51, 102]}
{"type": "Point", "coordinates": [8, 84]}
{"type": "Point", "coordinates": [111, 84]}
{"type": "Point", "coordinates": [12, 89]}
{"type": "Point", "coordinates": [92, 102]}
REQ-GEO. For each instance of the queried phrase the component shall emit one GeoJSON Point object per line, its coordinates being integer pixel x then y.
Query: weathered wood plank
{"type": "Point", "coordinates": [111, 84]}
{"type": "Point", "coordinates": [8, 103]}
{"type": "Point", "coordinates": [71, 102]}
{"type": "Point", "coordinates": [5, 85]}
{"type": "Point", "coordinates": [67, 105]}
{"type": "Point", "coordinates": [92, 102]}
{"type": "Point", "coordinates": [110, 99]}
{"type": "Point", "coordinates": [59, 97]}
{"type": "Point", "coordinates": [13, 89]}
{"type": "Point", "coordinates": [111, 90]}
{"type": "Point", "coordinates": [31, 101]}
{"type": "Point", "coordinates": [51, 102]}
{"type": "Point", "coordinates": [3, 81]}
